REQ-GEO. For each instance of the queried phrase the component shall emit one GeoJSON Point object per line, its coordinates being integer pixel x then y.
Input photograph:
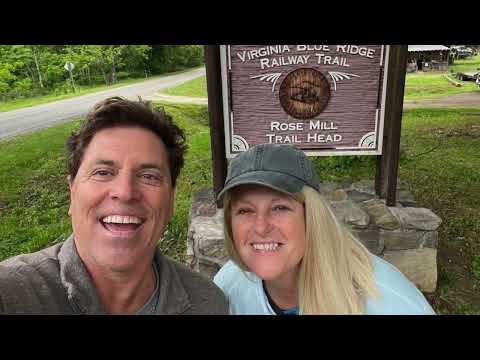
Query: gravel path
{"type": "Point", "coordinates": [453, 101]}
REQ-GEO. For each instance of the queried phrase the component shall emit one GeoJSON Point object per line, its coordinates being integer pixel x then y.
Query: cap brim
{"type": "Point", "coordinates": [284, 183]}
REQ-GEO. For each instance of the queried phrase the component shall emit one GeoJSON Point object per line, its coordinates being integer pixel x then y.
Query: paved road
{"type": "Point", "coordinates": [29, 119]}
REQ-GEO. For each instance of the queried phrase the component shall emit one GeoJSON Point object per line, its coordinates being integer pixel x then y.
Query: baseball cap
{"type": "Point", "coordinates": [280, 167]}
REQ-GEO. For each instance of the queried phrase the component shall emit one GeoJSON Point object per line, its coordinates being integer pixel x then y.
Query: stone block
{"type": "Point", "coordinates": [416, 218]}
{"type": "Point", "coordinates": [401, 240]}
{"type": "Point", "coordinates": [359, 196]}
{"type": "Point", "coordinates": [203, 204]}
{"type": "Point", "coordinates": [344, 184]}
{"type": "Point", "coordinates": [205, 239]}
{"type": "Point", "coordinates": [371, 239]}
{"type": "Point", "coordinates": [208, 269]}
{"type": "Point", "coordinates": [336, 195]}
{"type": "Point", "coordinates": [327, 187]}
{"type": "Point", "coordinates": [350, 213]}
{"type": "Point", "coordinates": [418, 265]}
{"type": "Point", "coordinates": [364, 186]}
{"type": "Point", "coordinates": [380, 214]}
{"type": "Point", "coordinates": [430, 239]}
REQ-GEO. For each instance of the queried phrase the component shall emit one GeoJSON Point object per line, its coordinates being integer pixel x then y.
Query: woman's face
{"type": "Point", "coordinates": [268, 229]}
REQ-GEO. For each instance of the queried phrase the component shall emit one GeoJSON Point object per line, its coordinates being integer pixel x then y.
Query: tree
{"type": "Point", "coordinates": [29, 70]}
{"type": "Point", "coordinates": [36, 53]}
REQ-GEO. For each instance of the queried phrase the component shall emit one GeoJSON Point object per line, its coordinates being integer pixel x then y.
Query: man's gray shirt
{"type": "Point", "coordinates": [55, 281]}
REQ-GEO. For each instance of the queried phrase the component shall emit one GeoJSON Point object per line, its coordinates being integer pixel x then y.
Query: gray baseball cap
{"type": "Point", "coordinates": [280, 167]}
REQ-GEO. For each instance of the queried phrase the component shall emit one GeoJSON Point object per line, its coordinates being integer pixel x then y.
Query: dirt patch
{"type": "Point", "coordinates": [470, 132]}
{"type": "Point", "coordinates": [465, 100]}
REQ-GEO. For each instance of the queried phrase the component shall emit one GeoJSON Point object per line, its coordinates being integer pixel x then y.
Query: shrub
{"type": "Point", "coordinates": [63, 88]}
{"type": "Point", "coordinates": [122, 75]}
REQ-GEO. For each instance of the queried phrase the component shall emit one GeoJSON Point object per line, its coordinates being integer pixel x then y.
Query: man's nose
{"type": "Point", "coordinates": [125, 188]}
{"type": "Point", "coordinates": [263, 224]}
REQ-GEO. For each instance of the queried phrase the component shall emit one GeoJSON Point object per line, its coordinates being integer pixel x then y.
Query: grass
{"type": "Point", "coordinates": [466, 65]}
{"type": "Point", "coordinates": [33, 193]}
{"type": "Point", "coordinates": [434, 85]}
{"type": "Point", "coordinates": [430, 85]}
{"type": "Point", "coordinates": [196, 174]}
{"type": "Point", "coordinates": [194, 88]}
{"type": "Point", "coordinates": [439, 160]}
{"type": "Point", "coordinates": [81, 90]}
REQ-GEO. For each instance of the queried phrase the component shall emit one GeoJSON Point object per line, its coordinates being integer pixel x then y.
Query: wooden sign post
{"type": "Point", "coordinates": [387, 162]}
{"type": "Point", "coordinates": [215, 111]}
{"type": "Point", "coordinates": [327, 100]}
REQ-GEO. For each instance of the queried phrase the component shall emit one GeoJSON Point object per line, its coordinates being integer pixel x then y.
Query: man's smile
{"type": "Point", "coordinates": [125, 224]}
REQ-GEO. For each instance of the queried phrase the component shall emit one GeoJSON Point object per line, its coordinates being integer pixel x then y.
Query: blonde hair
{"type": "Point", "coordinates": [336, 272]}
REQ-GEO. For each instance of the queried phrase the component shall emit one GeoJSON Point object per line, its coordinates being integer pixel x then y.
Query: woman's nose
{"type": "Point", "coordinates": [262, 224]}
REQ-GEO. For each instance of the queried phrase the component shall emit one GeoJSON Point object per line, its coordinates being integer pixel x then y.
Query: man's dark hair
{"type": "Point", "coordinates": [116, 111]}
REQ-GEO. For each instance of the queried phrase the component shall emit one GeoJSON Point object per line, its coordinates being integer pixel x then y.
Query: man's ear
{"type": "Point", "coordinates": [173, 204]}
{"type": "Point", "coordinates": [69, 179]}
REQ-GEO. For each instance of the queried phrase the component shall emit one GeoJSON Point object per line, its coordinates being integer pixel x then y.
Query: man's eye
{"type": "Point", "coordinates": [102, 174]}
{"type": "Point", "coordinates": [151, 179]}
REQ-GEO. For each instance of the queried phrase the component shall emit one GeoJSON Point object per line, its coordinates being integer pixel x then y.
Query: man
{"type": "Point", "coordinates": [123, 163]}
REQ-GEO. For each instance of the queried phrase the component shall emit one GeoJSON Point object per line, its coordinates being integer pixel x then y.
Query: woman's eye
{"type": "Point", "coordinates": [280, 208]}
{"type": "Point", "coordinates": [243, 211]}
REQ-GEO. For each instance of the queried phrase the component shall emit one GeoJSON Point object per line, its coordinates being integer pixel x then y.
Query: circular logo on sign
{"type": "Point", "coordinates": [304, 93]}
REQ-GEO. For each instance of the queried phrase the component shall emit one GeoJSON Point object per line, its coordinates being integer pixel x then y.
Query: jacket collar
{"type": "Point", "coordinates": [83, 296]}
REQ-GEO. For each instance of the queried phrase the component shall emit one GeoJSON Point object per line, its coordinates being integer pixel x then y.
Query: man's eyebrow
{"type": "Point", "coordinates": [143, 166]}
{"type": "Point", "coordinates": [152, 166]}
{"type": "Point", "coordinates": [105, 162]}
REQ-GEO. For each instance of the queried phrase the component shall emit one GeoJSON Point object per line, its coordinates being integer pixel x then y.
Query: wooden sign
{"type": "Point", "coordinates": [324, 99]}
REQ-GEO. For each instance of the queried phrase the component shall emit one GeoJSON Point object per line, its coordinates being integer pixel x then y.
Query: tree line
{"type": "Point", "coordinates": [32, 70]}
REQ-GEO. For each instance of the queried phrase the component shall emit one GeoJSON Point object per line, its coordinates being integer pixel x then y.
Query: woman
{"type": "Point", "coordinates": [290, 255]}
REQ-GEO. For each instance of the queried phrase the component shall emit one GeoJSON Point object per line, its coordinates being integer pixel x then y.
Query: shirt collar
{"type": "Point", "coordinates": [83, 296]}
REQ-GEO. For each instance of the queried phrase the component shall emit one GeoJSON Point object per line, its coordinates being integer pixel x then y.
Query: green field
{"type": "Point", "coordinates": [194, 88]}
{"type": "Point", "coordinates": [428, 85]}
{"type": "Point", "coordinates": [434, 85]}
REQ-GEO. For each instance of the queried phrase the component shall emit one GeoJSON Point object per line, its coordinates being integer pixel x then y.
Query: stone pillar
{"type": "Point", "coordinates": [404, 235]}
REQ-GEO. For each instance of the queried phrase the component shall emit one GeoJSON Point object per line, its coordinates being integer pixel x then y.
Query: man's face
{"type": "Point", "coordinates": [121, 198]}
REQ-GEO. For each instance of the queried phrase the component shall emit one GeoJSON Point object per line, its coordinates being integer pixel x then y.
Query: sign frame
{"type": "Point", "coordinates": [225, 66]}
